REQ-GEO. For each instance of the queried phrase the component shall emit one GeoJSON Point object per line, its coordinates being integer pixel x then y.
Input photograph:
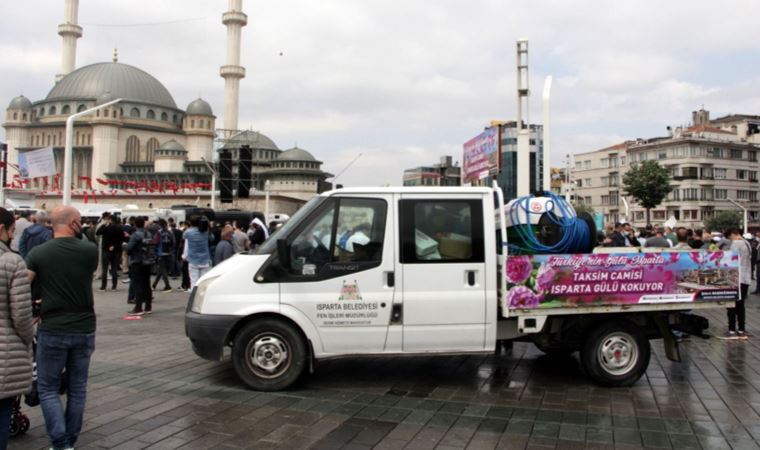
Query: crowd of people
{"type": "Point", "coordinates": [48, 266]}
{"type": "Point", "coordinates": [745, 245]}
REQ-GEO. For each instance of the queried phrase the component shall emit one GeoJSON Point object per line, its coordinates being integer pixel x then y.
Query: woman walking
{"type": "Point", "coordinates": [16, 330]}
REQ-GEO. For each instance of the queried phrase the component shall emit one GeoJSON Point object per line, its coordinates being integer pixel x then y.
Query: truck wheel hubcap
{"type": "Point", "coordinates": [618, 353]}
{"type": "Point", "coordinates": [268, 355]}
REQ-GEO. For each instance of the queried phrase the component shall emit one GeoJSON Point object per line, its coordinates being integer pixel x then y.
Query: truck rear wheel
{"type": "Point", "coordinates": [268, 354]}
{"type": "Point", "coordinates": [615, 353]}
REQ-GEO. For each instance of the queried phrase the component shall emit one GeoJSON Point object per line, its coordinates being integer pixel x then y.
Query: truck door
{"type": "Point", "coordinates": [442, 256]}
{"type": "Point", "coordinates": [341, 261]}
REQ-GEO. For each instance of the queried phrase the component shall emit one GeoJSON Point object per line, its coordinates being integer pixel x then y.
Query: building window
{"type": "Point", "coordinates": [164, 117]}
{"type": "Point", "coordinates": [15, 116]}
{"type": "Point", "coordinates": [192, 123]}
{"type": "Point", "coordinates": [719, 174]}
{"type": "Point", "coordinates": [151, 114]}
{"type": "Point", "coordinates": [586, 165]}
{"type": "Point", "coordinates": [587, 182]}
{"type": "Point", "coordinates": [134, 113]}
{"type": "Point", "coordinates": [741, 174]}
{"type": "Point", "coordinates": [24, 116]}
{"type": "Point", "coordinates": [53, 111]}
{"type": "Point", "coordinates": [736, 154]}
{"type": "Point", "coordinates": [658, 215]}
{"type": "Point", "coordinates": [150, 149]}
{"type": "Point", "coordinates": [133, 149]}
{"type": "Point", "coordinates": [174, 118]}
{"type": "Point", "coordinates": [638, 216]}
{"type": "Point", "coordinates": [42, 112]}
{"type": "Point", "coordinates": [66, 109]}
{"type": "Point", "coordinates": [81, 108]}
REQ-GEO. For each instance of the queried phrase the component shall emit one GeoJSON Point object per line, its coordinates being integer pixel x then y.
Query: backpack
{"type": "Point", "coordinates": [166, 242]}
{"type": "Point", "coordinates": [149, 248]}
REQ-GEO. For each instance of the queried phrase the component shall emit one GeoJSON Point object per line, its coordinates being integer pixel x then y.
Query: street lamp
{"type": "Point", "coordinates": [744, 210]}
{"type": "Point", "coordinates": [68, 151]}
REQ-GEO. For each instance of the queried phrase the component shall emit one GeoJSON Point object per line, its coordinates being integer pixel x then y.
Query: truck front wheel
{"type": "Point", "coordinates": [268, 354]}
{"type": "Point", "coordinates": [615, 354]}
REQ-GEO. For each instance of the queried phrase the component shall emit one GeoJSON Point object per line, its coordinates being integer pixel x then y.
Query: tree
{"type": "Point", "coordinates": [582, 207]}
{"type": "Point", "coordinates": [648, 183]}
{"type": "Point", "coordinates": [724, 220]}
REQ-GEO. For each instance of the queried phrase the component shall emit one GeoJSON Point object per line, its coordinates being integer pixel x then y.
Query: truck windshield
{"type": "Point", "coordinates": [270, 246]}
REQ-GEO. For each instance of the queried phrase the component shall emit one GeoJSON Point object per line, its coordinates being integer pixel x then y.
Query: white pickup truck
{"type": "Point", "coordinates": [391, 271]}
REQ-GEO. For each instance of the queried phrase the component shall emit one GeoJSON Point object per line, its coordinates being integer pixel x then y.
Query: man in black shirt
{"type": "Point", "coordinates": [112, 237]}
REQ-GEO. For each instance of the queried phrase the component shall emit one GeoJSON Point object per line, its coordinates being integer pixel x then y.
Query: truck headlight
{"type": "Point", "coordinates": [200, 294]}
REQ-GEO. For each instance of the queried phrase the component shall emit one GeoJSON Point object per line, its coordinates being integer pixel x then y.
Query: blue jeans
{"type": "Point", "coordinates": [56, 352]}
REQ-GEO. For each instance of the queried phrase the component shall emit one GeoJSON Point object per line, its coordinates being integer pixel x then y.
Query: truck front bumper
{"type": "Point", "coordinates": [208, 333]}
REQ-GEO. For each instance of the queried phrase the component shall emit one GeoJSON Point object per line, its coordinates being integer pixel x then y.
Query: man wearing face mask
{"type": "Point", "coordinates": [63, 267]}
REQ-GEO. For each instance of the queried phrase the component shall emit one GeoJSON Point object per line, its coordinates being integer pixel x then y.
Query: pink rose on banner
{"type": "Point", "coordinates": [518, 269]}
{"type": "Point", "coordinates": [545, 277]}
{"type": "Point", "coordinates": [522, 297]}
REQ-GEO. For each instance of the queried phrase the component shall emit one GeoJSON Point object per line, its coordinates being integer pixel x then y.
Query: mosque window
{"type": "Point", "coordinates": [49, 138]}
{"type": "Point", "coordinates": [164, 117]}
{"type": "Point", "coordinates": [150, 149]}
{"type": "Point", "coordinates": [24, 116]}
{"type": "Point", "coordinates": [76, 139]}
{"type": "Point", "coordinates": [53, 110]}
{"type": "Point", "coordinates": [15, 116]}
{"type": "Point", "coordinates": [133, 149]}
{"type": "Point", "coordinates": [66, 109]}
{"type": "Point", "coordinates": [121, 112]}
{"type": "Point", "coordinates": [134, 113]}
{"type": "Point", "coordinates": [192, 123]}
{"type": "Point", "coordinates": [81, 108]}
{"type": "Point", "coordinates": [174, 118]}
{"type": "Point", "coordinates": [42, 112]}
{"type": "Point", "coordinates": [151, 114]}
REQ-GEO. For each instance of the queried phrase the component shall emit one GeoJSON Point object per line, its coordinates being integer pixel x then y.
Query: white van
{"type": "Point", "coordinates": [390, 271]}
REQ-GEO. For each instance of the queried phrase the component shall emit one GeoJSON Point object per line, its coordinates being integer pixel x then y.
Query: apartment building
{"type": "Point", "coordinates": [442, 174]}
{"type": "Point", "coordinates": [710, 164]}
{"type": "Point", "coordinates": [597, 178]}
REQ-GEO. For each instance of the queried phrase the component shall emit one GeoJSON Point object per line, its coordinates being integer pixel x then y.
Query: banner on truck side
{"type": "Point", "coordinates": [568, 281]}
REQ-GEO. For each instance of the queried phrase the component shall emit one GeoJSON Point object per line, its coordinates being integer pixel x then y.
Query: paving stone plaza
{"type": "Point", "coordinates": [148, 390]}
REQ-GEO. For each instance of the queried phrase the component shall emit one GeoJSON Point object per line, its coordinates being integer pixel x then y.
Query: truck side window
{"type": "Point", "coordinates": [352, 230]}
{"type": "Point", "coordinates": [441, 231]}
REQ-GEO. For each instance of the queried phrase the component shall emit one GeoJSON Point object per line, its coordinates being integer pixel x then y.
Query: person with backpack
{"type": "Point", "coordinates": [142, 249]}
{"type": "Point", "coordinates": [37, 234]}
{"type": "Point", "coordinates": [165, 255]}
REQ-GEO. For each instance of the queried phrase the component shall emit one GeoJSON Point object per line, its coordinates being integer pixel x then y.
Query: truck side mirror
{"type": "Point", "coordinates": [283, 253]}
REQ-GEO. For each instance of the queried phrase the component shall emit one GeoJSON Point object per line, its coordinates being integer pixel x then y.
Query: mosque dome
{"type": "Point", "coordinates": [296, 154]}
{"type": "Point", "coordinates": [253, 139]}
{"type": "Point", "coordinates": [199, 107]}
{"type": "Point", "coordinates": [105, 97]}
{"type": "Point", "coordinates": [20, 102]}
{"type": "Point", "coordinates": [122, 80]}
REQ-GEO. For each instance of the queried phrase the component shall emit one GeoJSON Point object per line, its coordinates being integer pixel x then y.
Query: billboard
{"type": "Point", "coordinates": [588, 280]}
{"type": "Point", "coordinates": [481, 156]}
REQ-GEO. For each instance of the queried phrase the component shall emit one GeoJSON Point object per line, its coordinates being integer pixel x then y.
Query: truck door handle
{"type": "Point", "coordinates": [390, 279]}
{"type": "Point", "coordinates": [471, 278]}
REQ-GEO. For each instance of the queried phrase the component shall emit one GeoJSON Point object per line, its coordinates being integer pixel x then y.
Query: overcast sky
{"type": "Point", "coordinates": [405, 82]}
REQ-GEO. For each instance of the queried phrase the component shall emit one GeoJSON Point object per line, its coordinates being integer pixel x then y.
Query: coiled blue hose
{"type": "Point", "coordinates": [576, 236]}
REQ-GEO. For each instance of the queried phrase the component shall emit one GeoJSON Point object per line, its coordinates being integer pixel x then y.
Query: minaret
{"type": "Point", "coordinates": [70, 31]}
{"type": "Point", "coordinates": [232, 71]}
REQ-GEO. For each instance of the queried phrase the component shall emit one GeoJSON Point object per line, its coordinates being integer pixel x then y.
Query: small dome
{"type": "Point", "coordinates": [199, 107]}
{"type": "Point", "coordinates": [296, 154]}
{"type": "Point", "coordinates": [20, 102]}
{"type": "Point", "coordinates": [253, 139]}
{"type": "Point", "coordinates": [171, 145]}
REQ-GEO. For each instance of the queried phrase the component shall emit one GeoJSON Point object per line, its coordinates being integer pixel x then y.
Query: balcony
{"type": "Point", "coordinates": [685, 177]}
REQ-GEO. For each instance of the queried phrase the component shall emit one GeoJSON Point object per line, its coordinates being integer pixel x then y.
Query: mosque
{"type": "Point", "coordinates": [145, 149]}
